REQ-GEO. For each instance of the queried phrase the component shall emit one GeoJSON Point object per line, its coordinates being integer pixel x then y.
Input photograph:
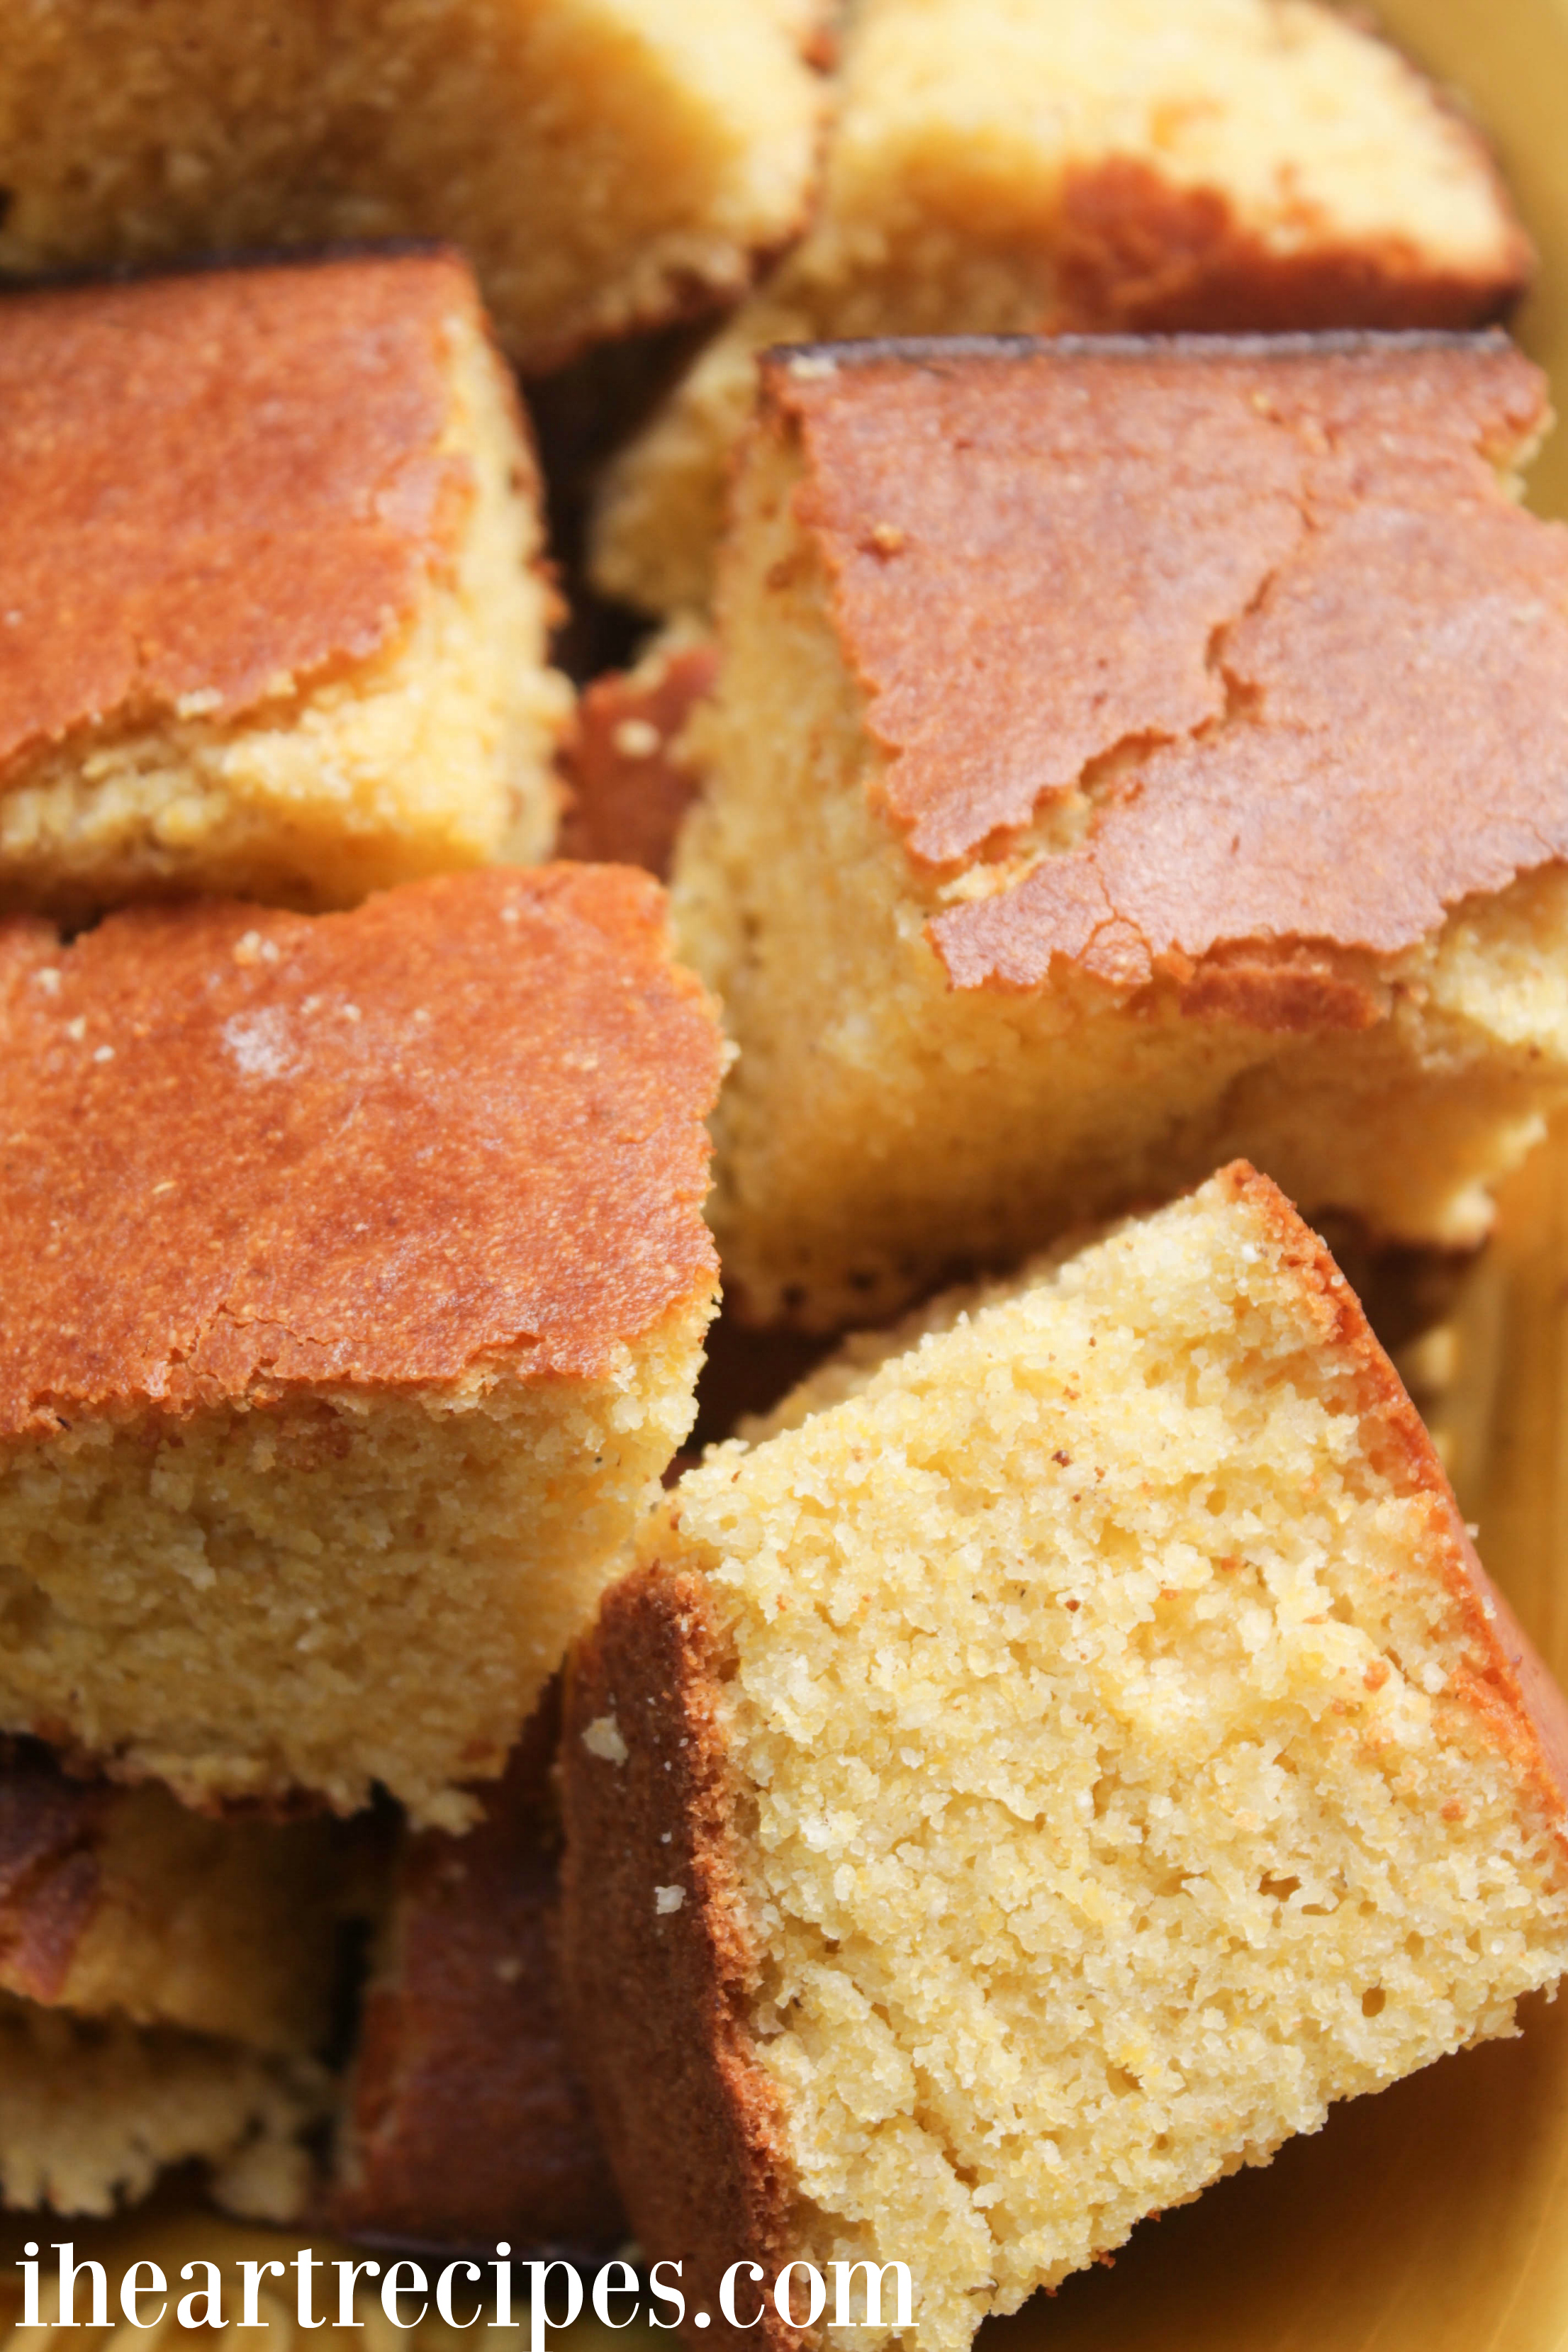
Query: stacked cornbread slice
{"type": "Point", "coordinates": [1042, 1778]}
{"type": "Point", "coordinates": [274, 611]}
{"type": "Point", "coordinates": [1030, 165]}
{"type": "Point", "coordinates": [167, 1984]}
{"type": "Point", "coordinates": [356, 1284]}
{"type": "Point", "coordinates": [604, 163]}
{"type": "Point", "coordinates": [1126, 754]}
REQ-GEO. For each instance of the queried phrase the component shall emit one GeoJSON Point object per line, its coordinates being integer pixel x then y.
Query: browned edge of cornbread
{"type": "Point", "coordinates": [464, 2119]}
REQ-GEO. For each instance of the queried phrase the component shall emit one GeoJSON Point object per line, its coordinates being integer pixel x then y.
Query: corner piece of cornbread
{"type": "Point", "coordinates": [1046, 1779]}
{"type": "Point", "coordinates": [355, 1283]}
{"type": "Point", "coordinates": [273, 612]}
{"type": "Point", "coordinates": [166, 1985]}
{"type": "Point", "coordinates": [1127, 756]}
{"type": "Point", "coordinates": [605, 163]}
{"type": "Point", "coordinates": [1025, 166]}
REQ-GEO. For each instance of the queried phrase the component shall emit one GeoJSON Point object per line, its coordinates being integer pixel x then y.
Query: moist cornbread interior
{"type": "Point", "coordinates": [435, 752]}
{"type": "Point", "coordinates": [885, 1123]}
{"type": "Point", "coordinates": [603, 162]}
{"type": "Point", "coordinates": [1020, 164]}
{"type": "Point", "coordinates": [314, 1497]}
{"type": "Point", "coordinates": [92, 2110]}
{"type": "Point", "coordinates": [1122, 1767]}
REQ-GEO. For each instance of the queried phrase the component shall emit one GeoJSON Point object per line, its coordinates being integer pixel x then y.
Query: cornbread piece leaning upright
{"type": "Point", "coordinates": [273, 615]}
{"type": "Point", "coordinates": [466, 2119]}
{"type": "Point", "coordinates": [606, 164]}
{"type": "Point", "coordinates": [1127, 756]}
{"type": "Point", "coordinates": [1023, 166]}
{"type": "Point", "coordinates": [166, 1992]}
{"type": "Point", "coordinates": [1046, 1779]}
{"type": "Point", "coordinates": [355, 1284]}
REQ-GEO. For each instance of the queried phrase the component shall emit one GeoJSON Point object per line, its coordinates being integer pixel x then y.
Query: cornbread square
{"type": "Point", "coordinates": [355, 1283]}
{"type": "Point", "coordinates": [1043, 1780]}
{"type": "Point", "coordinates": [630, 775]}
{"type": "Point", "coordinates": [166, 1992]}
{"type": "Point", "coordinates": [465, 2118]}
{"type": "Point", "coordinates": [273, 612]}
{"type": "Point", "coordinates": [606, 164]}
{"type": "Point", "coordinates": [1023, 166]}
{"type": "Point", "coordinates": [1127, 756]}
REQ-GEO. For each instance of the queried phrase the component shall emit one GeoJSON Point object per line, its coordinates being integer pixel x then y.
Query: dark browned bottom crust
{"type": "Point", "coordinates": [467, 2121]}
{"type": "Point", "coordinates": [658, 1996]}
{"type": "Point", "coordinates": [1140, 254]}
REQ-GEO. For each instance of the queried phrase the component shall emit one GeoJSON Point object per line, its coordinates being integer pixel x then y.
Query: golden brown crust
{"type": "Point", "coordinates": [247, 1152]}
{"type": "Point", "coordinates": [50, 1880]}
{"type": "Point", "coordinates": [657, 1998]}
{"type": "Point", "coordinates": [1503, 1680]}
{"type": "Point", "coordinates": [1261, 613]}
{"type": "Point", "coordinates": [1137, 254]}
{"type": "Point", "coordinates": [218, 481]}
{"type": "Point", "coordinates": [630, 782]}
{"type": "Point", "coordinates": [468, 2121]}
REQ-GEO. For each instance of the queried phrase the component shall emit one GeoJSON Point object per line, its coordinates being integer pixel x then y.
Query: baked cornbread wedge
{"type": "Point", "coordinates": [165, 1989]}
{"type": "Point", "coordinates": [626, 765]}
{"type": "Point", "coordinates": [606, 164]}
{"type": "Point", "coordinates": [1127, 756]}
{"type": "Point", "coordinates": [464, 2119]}
{"type": "Point", "coordinates": [355, 1284]}
{"type": "Point", "coordinates": [1043, 1780]}
{"type": "Point", "coordinates": [273, 618]}
{"type": "Point", "coordinates": [1016, 166]}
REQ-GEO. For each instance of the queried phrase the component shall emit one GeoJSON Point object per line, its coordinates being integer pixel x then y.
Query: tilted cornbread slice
{"type": "Point", "coordinates": [605, 162]}
{"type": "Point", "coordinates": [1021, 165]}
{"type": "Point", "coordinates": [165, 1989]}
{"type": "Point", "coordinates": [466, 2119]}
{"type": "Point", "coordinates": [1127, 756]}
{"type": "Point", "coordinates": [273, 617]}
{"type": "Point", "coordinates": [1043, 1780]}
{"type": "Point", "coordinates": [354, 1285]}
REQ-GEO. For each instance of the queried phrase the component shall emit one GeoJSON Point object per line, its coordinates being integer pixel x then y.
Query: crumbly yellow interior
{"type": "Point", "coordinates": [881, 1125]}
{"type": "Point", "coordinates": [226, 1928]}
{"type": "Point", "coordinates": [324, 1594]}
{"type": "Point", "coordinates": [92, 2111]}
{"type": "Point", "coordinates": [1113, 1795]}
{"type": "Point", "coordinates": [434, 753]}
{"type": "Point", "coordinates": [599, 160]}
{"type": "Point", "coordinates": [961, 124]}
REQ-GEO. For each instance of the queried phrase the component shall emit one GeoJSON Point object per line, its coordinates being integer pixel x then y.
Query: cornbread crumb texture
{"type": "Point", "coordinates": [382, 1357]}
{"type": "Point", "coordinates": [605, 162]}
{"type": "Point", "coordinates": [1018, 918]}
{"type": "Point", "coordinates": [466, 2119]}
{"type": "Point", "coordinates": [92, 2111]}
{"type": "Point", "coordinates": [1094, 1750]}
{"type": "Point", "coordinates": [1023, 165]}
{"type": "Point", "coordinates": [118, 1902]}
{"type": "Point", "coordinates": [628, 773]}
{"type": "Point", "coordinates": [272, 613]}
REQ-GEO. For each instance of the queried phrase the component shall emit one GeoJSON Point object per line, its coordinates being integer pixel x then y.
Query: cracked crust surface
{"type": "Point", "coordinates": [289, 494]}
{"type": "Point", "coordinates": [1192, 740]}
{"type": "Point", "coordinates": [660, 1966]}
{"type": "Point", "coordinates": [461, 1124]}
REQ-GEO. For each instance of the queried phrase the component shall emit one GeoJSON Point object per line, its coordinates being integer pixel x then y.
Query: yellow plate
{"type": "Point", "coordinates": [1434, 2217]}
